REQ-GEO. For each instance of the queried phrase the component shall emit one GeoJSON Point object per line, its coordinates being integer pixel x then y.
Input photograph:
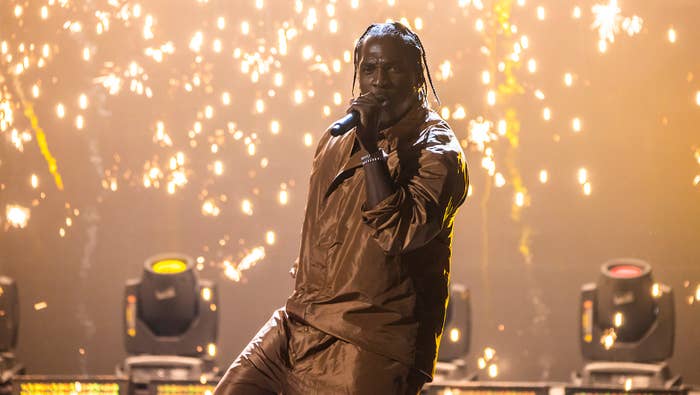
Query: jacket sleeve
{"type": "Point", "coordinates": [425, 200]}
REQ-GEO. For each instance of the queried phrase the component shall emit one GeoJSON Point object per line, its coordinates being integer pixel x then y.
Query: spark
{"type": "Point", "coordinates": [16, 215]}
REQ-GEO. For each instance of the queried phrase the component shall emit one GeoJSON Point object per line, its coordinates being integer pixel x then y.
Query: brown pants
{"type": "Point", "coordinates": [290, 357]}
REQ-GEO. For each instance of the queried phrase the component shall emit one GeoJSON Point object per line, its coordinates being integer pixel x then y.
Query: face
{"type": "Point", "coordinates": [385, 69]}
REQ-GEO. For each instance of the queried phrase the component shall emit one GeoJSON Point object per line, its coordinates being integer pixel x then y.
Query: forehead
{"type": "Point", "coordinates": [384, 48]}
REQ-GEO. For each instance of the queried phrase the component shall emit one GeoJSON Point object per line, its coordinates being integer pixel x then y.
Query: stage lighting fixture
{"type": "Point", "coordinates": [170, 323]}
{"type": "Point", "coordinates": [454, 343]}
{"type": "Point", "coordinates": [626, 327]}
{"type": "Point", "coordinates": [9, 325]}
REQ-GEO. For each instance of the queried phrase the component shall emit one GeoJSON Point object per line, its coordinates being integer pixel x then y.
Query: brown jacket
{"type": "Point", "coordinates": [379, 278]}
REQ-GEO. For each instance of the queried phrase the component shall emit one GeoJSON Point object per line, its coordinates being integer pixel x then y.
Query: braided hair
{"type": "Point", "coordinates": [412, 42]}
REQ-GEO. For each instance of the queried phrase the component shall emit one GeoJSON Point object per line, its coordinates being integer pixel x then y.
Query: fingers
{"type": "Point", "coordinates": [368, 106]}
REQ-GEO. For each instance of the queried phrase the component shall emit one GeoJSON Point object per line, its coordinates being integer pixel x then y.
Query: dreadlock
{"type": "Point", "coordinates": [411, 40]}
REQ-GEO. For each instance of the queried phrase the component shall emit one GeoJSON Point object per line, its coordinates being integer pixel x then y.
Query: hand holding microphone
{"type": "Point", "coordinates": [364, 114]}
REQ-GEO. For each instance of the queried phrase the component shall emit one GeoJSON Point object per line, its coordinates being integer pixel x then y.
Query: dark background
{"type": "Point", "coordinates": [637, 103]}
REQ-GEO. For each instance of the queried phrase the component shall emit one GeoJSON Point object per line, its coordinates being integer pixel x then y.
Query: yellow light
{"type": "Point", "coordinates": [211, 349]}
{"type": "Point", "coordinates": [568, 79]}
{"type": "Point", "coordinates": [60, 110]}
{"type": "Point", "coordinates": [544, 176]}
{"type": "Point", "coordinates": [454, 335]}
{"type": "Point", "coordinates": [283, 197]}
{"type": "Point", "coordinates": [539, 94]}
{"type": "Point", "coordinates": [540, 13]}
{"type": "Point", "coordinates": [697, 98]}
{"type": "Point", "coordinates": [221, 22]}
{"type": "Point", "coordinates": [618, 320]}
{"type": "Point", "coordinates": [602, 46]}
{"type": "Point", "coordinates": [582, 176]}
{"type": "Point", "coordinates": [493, 370]}
{"type": "Point", "coordinates": [44, 12]}
{"type": "Point", "coordinates": [628, 384]}
{"type": "Point", "coordinates": [485, 77]}
{"type": "Point", "coordinates": [247, 207]}
{"type": "Point", "coordinates": [587, 189]}
{"type": "Point", "coordinates": [672, 35]}
{"type": "Point", "coordinates": [489, 353]}
{"type": "Point", "coordinates": [491, 97]}
{"type": "Point", "coordinates": [333, 26]}
{"type": "Point", "coordinates": [79, 122]}
{"type": "Point", "coordinates": [226, 98]}
{"type": "Point", "coordinates": [245, 28]}
{"type": "Point", "coordinates": [270, 237]}
{"type": "Point", "coordinates": [17, 216]}
{"type": "Point", "coordinates": [218, 168]}
{"type": "Point", "coordinates": [656, 290]}
{"type": "Point", "coordinates": [308, 139]}
{"type": "Point", "coordinates": [34, 181]}
{"type": "Point", "coordinates": [35, 91]}
{"type": "Point", "coordinates": [499, 180]}
{"type": "Point", "coordinates": [547, 114]}
{"type": "Point", "coordinates": [259, 106]}
{"type": "Point", "coordinates": [479, 25]}
{"type": "Point", "coordinates": [697, 293]}
{"type": "Point", "coordinates": [208, 112]}
{"type": "Point", "coordinates": [83, 101]}
{"type": "Point", "coordinates": [532, 65]}
{"type": "Point", "coordinates": [576, 14]}
{"type": "Point", "coordinates": [169, 266]}
{"type": "Point", "coordinates": [418, 23]}
{"type": "Point", "coordinates": [524, 42]}
{"type": "Point", "coordinates": [576, 124]}
{"type": "Point", "coordinates": [482, 363]}
{"type": "Point", "coordinates": [18, 11]}
{"type": "Point", "coordinates": [519, 199]}
{"type": "Point", "coordinates": [502, 127]}
{"type": "Point", "coordinates": [206, 293]}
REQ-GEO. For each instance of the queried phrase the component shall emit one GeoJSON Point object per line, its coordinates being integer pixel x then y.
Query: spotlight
{"type": "Point", "coordinates": [627, 327]}
{"type": "Point", "coordinates": [170, 323]}
{"type": "Point", "coordinates": [9, 325]}
{"type": "Point", "coordinates": [454, 343]}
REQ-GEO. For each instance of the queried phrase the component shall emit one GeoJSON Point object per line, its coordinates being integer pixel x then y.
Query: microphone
{"type": "Point", "coordinates": [344, 124]}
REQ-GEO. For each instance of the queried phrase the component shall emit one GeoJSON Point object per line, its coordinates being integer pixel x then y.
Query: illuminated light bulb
{"type": "Point", "coordinates": [247, 207]}
{"type": "Point", "coordinates": [618, 320]}
{"type": "Point", "coordinates": [69, 222]}
{"type": "Point", "coordinates": [333, 26]}
{"type": "Point", "coordinates": [602, 46]}
{"type": "Point", "coordinates": [519, 199]}
{"type": "Point", "coordinates": [485, 77]}
{"type": "Point", "coordinates": [221, 23]}
{"type": "Point", "coordinates": [218, 168]}
{"type": "Point", "coordinates": [308, 139]}
{"type": "Point", "coordinates": [270, 237]}
{"type": "Point", "coordinates": [83, 101]}
{"type": "Point", "coordinates": [628, 384]}
{"type": "Point", "coordinates": [479, 25]}
{"type": "Point", "coordinates": [587, 188]}
{"type": "Point", "coordinates": [455, 335]}
{"type": "Point", "coordinates": [211, 349]}
{"type": "Point", "coordinates": [697, 98]}
{"type": "Point", "coordinates": [576, 124]}
{"type": "Point", "coordinates": [278, 79]}
{"type": "Point", "coordinates": [17, 216]}
{"type": "Point", "coordinates": [79, 122]}
{"type": "Point", "coordinates": [259, 106]}
{"type": "Point", "coordinates": [489, 353]}
{"type": "Point", "coordinates": [502, 127]}
{"type": "Point", "coordinates": [582, 176]}
{"type": "Point", "coordinates": [608, 339]}
{"type": "Point", "coordinates": [547, 114]}
{"type": "Point", "coordinates": [307, 52]}
{"type": "Point", "coordinates": [245, 28]}
{"type": "Point", "coordinates": [337, 98]}
{"type": "Point", "coordinates": [540, 13]}
{"type": "Point", "coordinates": [226, 98]}
{"type": "Point", "coordinates": [216, 45]}
{"type": "Point", "coordinates": [418, 23]}
{"type": "Point", "coordinates": [298, 96]}
{"type": "Point", "coordinates": [499, 180]}
{"type": "Point", "coordinates": [209, 208]}
{"type": "Point", "coordinates": [275, 127]}
{"type": "Point", "coordinates": [493, 370]}
{"type": "Point", "coordinates": [532, 65]}
{"type": "Point", "coordinates": [672, 35]}
{"type": "Point", "coordinates": [18, 11]}
{"type": "Point", "coordinates": [544, 176]}
{"type": "Point", "coordinates": [283, 197]}
{"type": "Point", "coordinates": [576, 14]}
{"type": "Point", "coordinates": [326, 111]}
{"type": "Point", "coordinates": [491, 97]}
{"type": "Point", "coordinates": [34, 181]}
{"type": "Point", "coordinates": [251, 149]}
{"type": "Point", "coordinates": [35, 91]}
{"type": "Point", "coordinates": [539, 94]}
{"type": "Point", "coordinates": [208, 112]}
{"type": "Point", "coordinates": [697, 293]}
{"type": "Point", "coordinates": [206, 293]}
{"type": "Point", "coordinates": [482, 363]}
{"type": "Point", "coordinates": [656, 290]}
{"type": "Point", "coordinates": [568, 79]}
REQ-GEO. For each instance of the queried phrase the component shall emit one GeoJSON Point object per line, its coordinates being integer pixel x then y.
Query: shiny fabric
{"type": "Point", "coordinates": [293, 358]}
{"type": "Point", "coordinates": [378, 278]}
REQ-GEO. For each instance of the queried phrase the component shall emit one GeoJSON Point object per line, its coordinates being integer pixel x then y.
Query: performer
{"type": "Point", "coordinates": [372, 275]}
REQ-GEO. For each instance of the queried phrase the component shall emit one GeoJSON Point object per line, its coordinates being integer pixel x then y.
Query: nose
{"type": "Point", "coordinates": [380, 78]}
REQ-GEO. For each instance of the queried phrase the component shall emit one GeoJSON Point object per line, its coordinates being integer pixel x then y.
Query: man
{"type": "Point", "coordinates": [372, 279]}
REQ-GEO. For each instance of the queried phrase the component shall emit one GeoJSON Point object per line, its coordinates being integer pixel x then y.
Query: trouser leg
{"type": "Point", "coordinates": [262, 366]}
